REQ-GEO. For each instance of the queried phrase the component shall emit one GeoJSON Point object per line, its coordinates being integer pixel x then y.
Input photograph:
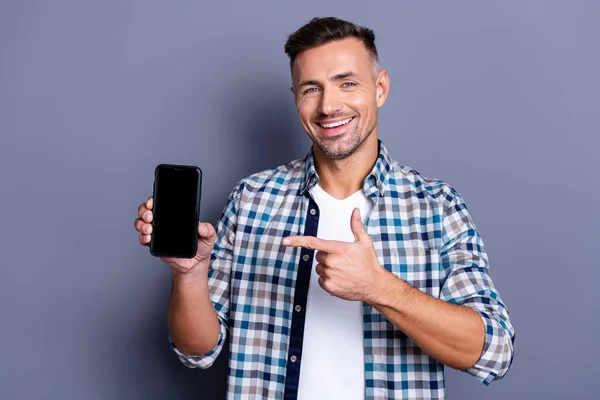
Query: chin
{"type": "Point", "coordinates": [338, 151]}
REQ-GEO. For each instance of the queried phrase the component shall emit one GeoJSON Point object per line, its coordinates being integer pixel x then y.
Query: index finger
{"type": "Point", "coordinates": [313, 243]}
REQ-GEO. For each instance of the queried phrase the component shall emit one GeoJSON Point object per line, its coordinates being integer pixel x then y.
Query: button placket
{"type": "Point", "coordinates": [299, 305]}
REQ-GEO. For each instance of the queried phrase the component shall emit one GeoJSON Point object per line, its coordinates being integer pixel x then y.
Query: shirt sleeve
{"type": "Point", "coordinates": [468, 283]}
{"type": "Point", "coordinates": [219, 276]}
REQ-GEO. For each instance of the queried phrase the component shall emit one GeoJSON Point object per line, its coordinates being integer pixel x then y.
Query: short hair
{"type": "Point", "coordinates": [320, 31]}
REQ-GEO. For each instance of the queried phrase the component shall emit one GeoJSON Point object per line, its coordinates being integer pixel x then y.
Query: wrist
{"type": "Point", "coordinates": [387, 289]}
{"type": "Point", "coordinates": [195, 275]}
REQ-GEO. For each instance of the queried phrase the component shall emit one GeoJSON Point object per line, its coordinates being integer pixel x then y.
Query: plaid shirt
{"type": "Point", "coordinates": [422, 233]}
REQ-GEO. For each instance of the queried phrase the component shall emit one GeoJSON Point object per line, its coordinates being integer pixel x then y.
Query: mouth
{"type": "Point", "coordinates": [334, 127]}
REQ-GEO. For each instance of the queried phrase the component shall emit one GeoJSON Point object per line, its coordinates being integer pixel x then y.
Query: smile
{"type": "Point", "coordinates": [335, 124]}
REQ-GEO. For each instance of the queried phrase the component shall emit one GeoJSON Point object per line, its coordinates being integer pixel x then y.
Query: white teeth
{"type": "Point", "coordinates": [336, 124]}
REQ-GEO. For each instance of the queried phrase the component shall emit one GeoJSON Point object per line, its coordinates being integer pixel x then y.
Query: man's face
{"type": "Point", "coordinates": [337, 95]}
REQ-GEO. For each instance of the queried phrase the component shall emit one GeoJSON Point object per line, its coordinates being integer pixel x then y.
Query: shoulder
{"type": "Point", "coordinates": [277, 180]}
{"type": "Point", "coordinates": [406, 182]}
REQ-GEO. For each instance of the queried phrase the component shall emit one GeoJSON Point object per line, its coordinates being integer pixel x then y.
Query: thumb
{"type": "Point", "coordinates": [206, 233]}
{"type": "Point", "coordinates": [360, 233]}
{"type": "Point", "coordinates": [206, 241]}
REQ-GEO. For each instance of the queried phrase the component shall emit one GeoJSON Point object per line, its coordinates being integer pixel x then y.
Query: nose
{"type": "Point", "coordinates": [330, 101]}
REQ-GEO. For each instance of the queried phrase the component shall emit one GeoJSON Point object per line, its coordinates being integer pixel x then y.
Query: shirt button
{"type": "Point", "coordinates": [313, 211]}
{"type": "Point", "coordinates": [298, 308]}
{"type": "Point", "coordinates": [305, 257]}
{"type": "Point", "coordinates": [293, 359]}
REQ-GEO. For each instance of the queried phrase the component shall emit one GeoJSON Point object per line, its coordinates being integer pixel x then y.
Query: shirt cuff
{"type": "Point", "coordinates": [206, 360]}
{"type": "Point", "coordinates": [497, 353]}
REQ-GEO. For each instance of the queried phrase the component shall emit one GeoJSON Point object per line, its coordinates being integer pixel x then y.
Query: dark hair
{"type": "Point", "coordinates": [320, 31]}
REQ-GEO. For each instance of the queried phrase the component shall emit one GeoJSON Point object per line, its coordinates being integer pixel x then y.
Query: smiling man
{"type": "Point", "coordinates": [344, 274]}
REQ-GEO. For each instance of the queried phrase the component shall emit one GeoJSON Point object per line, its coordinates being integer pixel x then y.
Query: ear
{"type": "Point", "coordinates": [383, 87]}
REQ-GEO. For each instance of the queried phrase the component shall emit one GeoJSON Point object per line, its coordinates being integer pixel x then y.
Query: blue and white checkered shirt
{"type": "Point", "coordinates": [422, 233]}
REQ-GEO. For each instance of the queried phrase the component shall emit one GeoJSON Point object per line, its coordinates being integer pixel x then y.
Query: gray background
{"type": "Point", "coordinates": [500, 99]}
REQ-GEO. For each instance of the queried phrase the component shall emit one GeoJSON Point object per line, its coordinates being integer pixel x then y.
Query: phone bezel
{"type": "Point", "coordinates": [156, 201]}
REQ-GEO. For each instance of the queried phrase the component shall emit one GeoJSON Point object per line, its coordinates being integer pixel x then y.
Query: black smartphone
{"type": "Point", "coordinates": [176, 211]}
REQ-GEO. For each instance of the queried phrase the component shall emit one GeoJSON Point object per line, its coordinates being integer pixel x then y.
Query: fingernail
{"type": "Point", "coordinates": [146, 215]}
{"type": "Point", "coordinates": [148, 229]}
{"type": "Point", "coordinates": [203, 229]}
{"type": "Point", "coordinates": [286, 241]}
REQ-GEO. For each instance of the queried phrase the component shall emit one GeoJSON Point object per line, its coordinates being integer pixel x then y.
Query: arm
{"type": "Point", "coordinates": [450, 333]}
{"type": "Point", "coordinates": [199, 305]}
{"type": "Point", "coordinates": [468, 327]}
{"type": "Point", "coordinates": [469, 284]}
{"type": "Point", "coordinates": [193, 322]}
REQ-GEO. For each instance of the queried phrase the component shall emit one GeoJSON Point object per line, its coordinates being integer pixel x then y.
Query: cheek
{"type": "Point", "coordinates": [305, 110]}
{"type": "Point", "coordinates": [359, 102]}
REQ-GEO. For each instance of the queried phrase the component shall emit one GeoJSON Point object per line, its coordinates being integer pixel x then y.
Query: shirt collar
{"type": "Point", "coordinates": [373, 184]}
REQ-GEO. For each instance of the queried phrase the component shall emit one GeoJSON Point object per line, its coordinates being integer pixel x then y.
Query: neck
{"type": "Point", "coordinates": [342, 178]}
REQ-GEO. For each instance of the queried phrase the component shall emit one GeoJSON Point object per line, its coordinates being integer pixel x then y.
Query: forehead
{"type": "Point", "coordinates": [332, 58]}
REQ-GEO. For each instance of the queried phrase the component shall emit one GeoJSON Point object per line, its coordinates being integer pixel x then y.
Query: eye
{"type": "Point", "coordinates": [348, 84]}
{"type": "Point", "coordinates": [310, 90]}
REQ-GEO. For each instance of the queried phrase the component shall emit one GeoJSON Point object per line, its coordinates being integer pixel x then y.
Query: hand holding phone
{"type": "Point", "coordinates": [179, 193]}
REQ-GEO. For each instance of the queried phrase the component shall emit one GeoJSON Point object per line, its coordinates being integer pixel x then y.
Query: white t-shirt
{"type": "Point", "coordinates": [332, 351]}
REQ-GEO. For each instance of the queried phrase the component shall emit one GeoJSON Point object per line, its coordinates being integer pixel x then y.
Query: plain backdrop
{"type": "Point", "coordinates": [499, 99]}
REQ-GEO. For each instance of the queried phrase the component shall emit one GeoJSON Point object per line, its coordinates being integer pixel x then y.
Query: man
{"type": "Point", "coordinates": [342, 275]}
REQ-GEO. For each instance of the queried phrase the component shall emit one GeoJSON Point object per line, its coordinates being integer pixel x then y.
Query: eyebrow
{"type": "Point", "coordinates": [337, 77]}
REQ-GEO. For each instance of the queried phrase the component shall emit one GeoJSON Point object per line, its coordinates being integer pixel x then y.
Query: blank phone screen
{"type": "Point", "coordinates": [175, 224]}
